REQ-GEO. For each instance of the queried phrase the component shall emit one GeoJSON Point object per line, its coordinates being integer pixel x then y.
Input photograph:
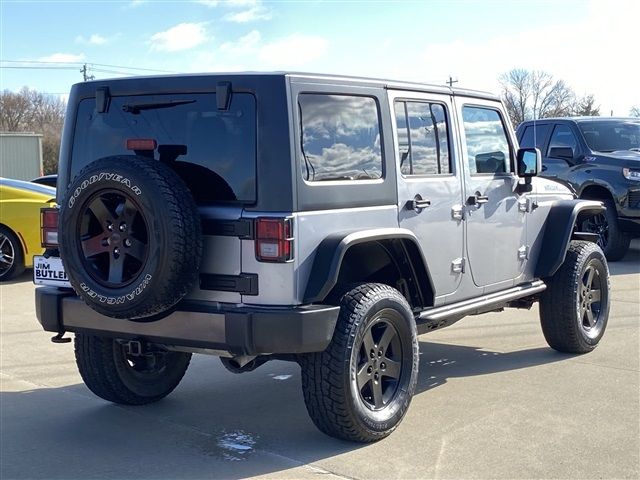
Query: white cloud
{"type": "Point", "coordinates": [293, 51]}
{"type": "Point", "coordinates": [183, 36]}
{"type": "Point", "coordinates": [244, 45]}
{"type": "Point", "coordinates": [207, 3]}
{"type": "Point", "coordinates": [63, 58]}
{"type": "Point", "coordinates": [242, 3]}
{"type": "Point", "coordinates": [255, 13]}
{"type": "Point", "coordinates": [94, 39]}
{"type": "Point", "coordinates": [584, 52]}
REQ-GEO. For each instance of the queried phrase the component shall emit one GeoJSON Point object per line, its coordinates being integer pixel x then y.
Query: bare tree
{"type": "Point", "coordinates": [585, 107]}
{"type": "Point", "coordinates": [635, 111]}
{"type": "Point", "coordinates": [536, 94]}
{"type": "Point", "coordinates": [33, 111]}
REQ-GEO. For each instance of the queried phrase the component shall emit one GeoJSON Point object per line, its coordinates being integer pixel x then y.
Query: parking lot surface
{"type": "Point", "coordinates": [493, 401]}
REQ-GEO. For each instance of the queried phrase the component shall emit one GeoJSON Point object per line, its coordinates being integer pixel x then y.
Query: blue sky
{"type": "Point", "coordinates": [593, 45]}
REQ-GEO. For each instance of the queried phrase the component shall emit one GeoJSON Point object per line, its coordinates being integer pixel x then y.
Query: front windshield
{"type": "Point", "coordinates": [609, 136]}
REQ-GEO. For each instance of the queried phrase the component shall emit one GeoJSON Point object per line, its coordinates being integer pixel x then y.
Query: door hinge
{"type": "Point", "coordinates": [457, 266]}
{"type": "Point", "coordinates": [523, 252]}
{"type": "Point", "coordinates": [457, 212]}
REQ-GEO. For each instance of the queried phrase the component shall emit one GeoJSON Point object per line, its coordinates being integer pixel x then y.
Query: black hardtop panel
{"type": "Point", "coordinates": [273, 155]}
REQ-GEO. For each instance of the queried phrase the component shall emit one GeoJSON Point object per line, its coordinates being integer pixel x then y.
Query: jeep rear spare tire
{"type": "Point", "coordinates": [130, 237]}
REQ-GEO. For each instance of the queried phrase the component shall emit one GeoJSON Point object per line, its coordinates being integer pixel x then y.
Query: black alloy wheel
{"type": "Point", "coordinates": [114, 238]}
{"type": "Point", "coordinates": [379, 363]}
{"type": "Point", "coordinates": [598, 224]}
{"type": "Point", "coordinates": [590, 300]}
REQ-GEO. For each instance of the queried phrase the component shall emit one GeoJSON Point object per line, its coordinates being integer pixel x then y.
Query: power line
{"type": "Point", "coordinates": [88, 63]}
{"type": "Point", "coordinates": [39, 68]}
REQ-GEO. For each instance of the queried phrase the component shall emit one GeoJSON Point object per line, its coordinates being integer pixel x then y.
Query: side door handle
{"type": "Point", "coordinates": [418, 204]}
{"type": "Point", "coordinates": [477, 199]}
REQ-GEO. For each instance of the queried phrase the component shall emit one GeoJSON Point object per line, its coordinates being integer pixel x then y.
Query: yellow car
{"type": "Point", "coordinates": [20, 204]}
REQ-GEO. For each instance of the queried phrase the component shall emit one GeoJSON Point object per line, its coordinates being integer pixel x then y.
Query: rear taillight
{"type": "Point", "coordinates": [274, 239]}
{"type": "Point", "coordinates": [49, 227]}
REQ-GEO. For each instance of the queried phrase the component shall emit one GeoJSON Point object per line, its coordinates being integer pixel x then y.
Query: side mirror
{"type": "Point", "coordinates": [529, 162]}
{"type": "Point", "coordinates": [562, 152]}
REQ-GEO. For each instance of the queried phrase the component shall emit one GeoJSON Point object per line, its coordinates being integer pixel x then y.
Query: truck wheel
{"type": "Point", "coordinates": [361, 386]}
{"type": "Point", "coordinates": [117, 377]}
{"type": "Point", "coordinates": [130, 237]}
{"type": "Point", "coordinates": [611, 239]}
{"type": "Point", "coordinates": [574, 309]}
{"type": "Point", "coordinates": [11, 256]}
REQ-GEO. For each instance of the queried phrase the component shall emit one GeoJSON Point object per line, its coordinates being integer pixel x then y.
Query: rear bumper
{"type": "Point", "coordinates": [234, 331]}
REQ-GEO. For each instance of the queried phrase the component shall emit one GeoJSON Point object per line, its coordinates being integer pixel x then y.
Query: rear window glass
{"type": "Point", "coordinates": [340, 137]}
{"type": "Point", "coordinates": [214, 151]}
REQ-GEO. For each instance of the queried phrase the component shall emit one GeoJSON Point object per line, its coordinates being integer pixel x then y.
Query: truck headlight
{"type": "Point", "coordinates": [631, 174]}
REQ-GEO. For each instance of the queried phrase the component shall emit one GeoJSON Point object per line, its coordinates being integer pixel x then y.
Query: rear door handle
{"type": "Point", "coordinates": [477, 199]}
{"type": "Point", "coordinates": [418, 204]}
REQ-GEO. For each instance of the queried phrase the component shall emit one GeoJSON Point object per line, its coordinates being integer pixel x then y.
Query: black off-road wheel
{"type": "Point", "coordinates": [361, 386]}
{"type": "Point", "coordinates": [574, 309]}
{"type": "Point", "coordinates": [118, 377]}
{"type": "Point", "coordinates": [11, 255]}
{"type": "Point", "coordinates": [130, 237]}
{"type": "Point", "coordinates": [613, 241]}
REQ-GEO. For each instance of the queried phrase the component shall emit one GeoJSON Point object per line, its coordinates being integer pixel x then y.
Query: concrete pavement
{"type": "Point", "coordinates": [493, 401]}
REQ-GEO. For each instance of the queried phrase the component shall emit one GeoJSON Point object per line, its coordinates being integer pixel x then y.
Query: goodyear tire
{"type": "Point", "coordinates": [130, 237]}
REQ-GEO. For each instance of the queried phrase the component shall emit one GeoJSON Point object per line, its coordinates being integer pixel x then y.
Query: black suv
{"type": "Point", "coordinates": [600, 158]}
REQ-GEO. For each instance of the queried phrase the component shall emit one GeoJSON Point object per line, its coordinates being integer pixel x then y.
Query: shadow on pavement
{"type": "Point", "coordinates": [25, 277]}
{"type": "Point", "coordinates": [630, 263]}
{"type": "Point", "coordinates": [215, 425]}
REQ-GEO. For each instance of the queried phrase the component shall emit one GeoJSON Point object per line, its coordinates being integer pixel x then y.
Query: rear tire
{"type": "Point", "coordinates": [11, 255]}
{"type": "Point", "coordinates": [119, 378]}
{"type": "Point", "coordinates": [613, 241]}
{"type": "Point", "coordinates": [361, 386]}
{"type": "Point", "coordinates": [574, 309]}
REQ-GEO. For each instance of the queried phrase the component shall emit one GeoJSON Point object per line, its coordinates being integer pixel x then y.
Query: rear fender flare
{"type": "Point", "coordinates": [331, 252]}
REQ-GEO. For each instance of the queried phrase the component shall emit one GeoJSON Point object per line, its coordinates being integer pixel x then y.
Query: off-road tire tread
{"type": "Point", "coordinates": [94, 358]}
{"type": "Point", "coordinates": [557, 301]}
{"type": "Point", "coordinates": [324, 392]}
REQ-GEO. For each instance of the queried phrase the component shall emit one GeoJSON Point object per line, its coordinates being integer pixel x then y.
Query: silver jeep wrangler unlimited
{"type": "Point", "coordinates": [319, 219]}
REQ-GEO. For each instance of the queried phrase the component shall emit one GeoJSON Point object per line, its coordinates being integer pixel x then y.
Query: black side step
{"type": "Point", "coordinates": [438, 317]}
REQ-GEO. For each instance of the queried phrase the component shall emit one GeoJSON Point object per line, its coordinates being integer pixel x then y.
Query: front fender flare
{"type": "Point", "coordinates": [559, 229]}
{"type": "Point", "coordinates": [331, 252]}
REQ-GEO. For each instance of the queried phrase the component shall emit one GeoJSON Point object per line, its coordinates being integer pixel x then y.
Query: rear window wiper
{"type": "Point", "coordinates": [136, 108]}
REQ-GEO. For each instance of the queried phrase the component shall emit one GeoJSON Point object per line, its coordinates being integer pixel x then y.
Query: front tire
{"type": "Point", "coordinates": [574, 309]}
{"type": "Point", "coordinates": [361, 386]}
{"type": "Point", "coordinates": [613, 241]}
{"type": "Point", "coordinates": [120, 378]}
{"type": "Point", "coordinates": [11, 255]}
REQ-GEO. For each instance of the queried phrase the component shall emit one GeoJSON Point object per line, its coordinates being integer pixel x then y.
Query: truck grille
{"type": "Point", "coordinates": [634, 199]}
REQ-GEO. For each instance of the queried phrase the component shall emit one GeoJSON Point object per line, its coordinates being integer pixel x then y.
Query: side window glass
{"type": "Point", "coordinates": [562, 137]}
{"type": "Point", "coordinates": [340, 137]}
{"type": "Point", "coordinates": [423, 140]}
{"type": "Point", "coordinates": [487, 145]}
{"type": "Point", "coordinates": [534, 136]}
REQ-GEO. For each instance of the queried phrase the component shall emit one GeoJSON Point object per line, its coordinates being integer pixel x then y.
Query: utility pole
{"type": "Point", "coordinates": [85, 74]}
{"type": "Point", "coordinates": [451, 81]}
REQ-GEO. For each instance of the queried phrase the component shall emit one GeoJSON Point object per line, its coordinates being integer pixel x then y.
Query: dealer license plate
{"type": "Point", "coordinates": [49, 271]}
